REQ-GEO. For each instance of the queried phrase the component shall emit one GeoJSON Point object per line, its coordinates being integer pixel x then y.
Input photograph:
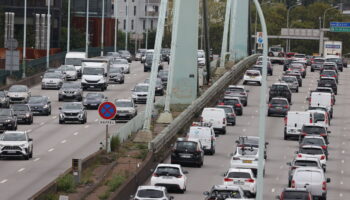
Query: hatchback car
{"type": "Point", "coordinates": [315, 130]}
{"type": "Point", "coordinates": [187, 151]}
{"type": "Point", "coordinates": [243, 178]}
{"type": "Point", "coordinates": [230, 114]}
{"type": "Point", "coordinates": [170, 176]}
{"type": "Point", "coordinates": [278, 106]}
{"type": "Point", "coordinates": [315, 140]}
{"type": "Point", "coordinates": [297, 67]}
{"type": "Point", "coordinates": [70, 72]}
{"type": "Point", "coordinates": [18, 94]}
{"type": "Point", "coordinates": [295, 193]}
{"type": "Point", "coordinates": [51, 80]}
{"type": "Point", "coordinates": [246, 158]}
{"type": "Point", "coordinates": [292, 82]}
{"type": "Point", "coordinates": [252, 76]}
{"type": "Point", "coordinates": [93, 100]}
{"type": "Point", "coordinates": [312, 151]}
{"type": "Point", "coordinates": [8, 119]}
{"type": "Point", "coordinates": [238, 91]}
{"type": "Point", "coordinates": [235, 102]}
{"type": "Point", "coordinates": [151, 193]}
{"type": "Point", "coordinates": [280, 90]}
{"type": "Point", "coordinates": [72, 112]}
{"type": "Point", "coordinates": [40, 105]}
{"type": "Point", "coordinates": [23, 113]}
{"type": "Point", "coordinates": [329, 73]}
{"type": "Point", "coordinates": [297, 75]}
{"type": "Point", "coordinates": [219, 192]}
{"type": "Point", "coordinates": [116, 75]}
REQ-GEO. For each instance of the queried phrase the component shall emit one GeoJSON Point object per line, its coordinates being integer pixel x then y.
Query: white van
{"type": "Point", "coordinates": [216, 117]}
{"type": "Point", "coordinates": [321, 99]}
{"type": "Point", "coordinates": [320, 117]}
{"type": "Point", "coordinates": [93, 76]}
{"type": "Point", "coordinates": [75, 58]}
{"type": "Point", "coordinates": [205, 134]}
{"type": "Point", "coordinates": [294, 121]}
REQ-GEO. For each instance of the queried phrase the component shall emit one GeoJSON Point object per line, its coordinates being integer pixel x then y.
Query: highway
{"type": "Point", "coordinates": [279, 151]}
{"type": "Point", "coordinates": [55, 145]}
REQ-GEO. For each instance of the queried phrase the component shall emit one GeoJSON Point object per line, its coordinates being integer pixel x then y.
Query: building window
{"type": "Point", "coordinates": [155, 9]}
{"type": "Point", "coordinates": [126, 10]}
{"type": "Point", "coordinates": [152, 24]}
{"type": "Point", "coordinates": [134, 10]}
{"type": "Point", "coordinates": [144, 24]}
{"type": "Point", "coordinates": [132, 24]}
{"type": "Point", "coordinates": [124, 24]}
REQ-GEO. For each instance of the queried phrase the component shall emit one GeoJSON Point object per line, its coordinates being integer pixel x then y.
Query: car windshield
{"type": "Point", "coordinates": [93, 71]}
{"type": "Point", "coordinates": [311, 151]}
{"type": "Point", "coordinates": [278, 102]}
{"type": "Point", "coordinates": [120, 61]}
{"type": "Point", "coordinates": [69, 68]}
{"type": "Point", "coordinates": [168, 171]}
{"type": "Point", "coordinates": [52, 75]}
{"type": "Point", "coordinates": [249, 141]}
{"type": "Point", "coordinates": [279, 87]}
{"type": "Point", "coordinates": [295, 195]}
{"type": "Point", "coordinates": [333, 60]}
{"type": "Point", "coordinates": [312, 141]}
{"type": "Point", "coordinates": [224, 194]}
{"type": "Point", "coordinates": [124, 104]}
{"type": "Point", "coordinates": [116, 70]}
{"type": "Point", "coordinates": [141, 88]}
{"type": "Point", "coordinates": [5, 112]}
{"type": "Point", "coordinates": [319, 117]}
{"type": "Point", "coordinates": [288, 79]}
{"type": "Point", "coordinates": [248, 151]}
{"type": "Point", "coordinates": [70, 85]}
{"type": "Point", "coordinates": [13, 137]}
{"type": "Point", "coordinates": [238, 175]}
{"type": "Point", "coordinates": [235, 90]}
{"type": "Point", "coordinates": [150, 193]}
{"type": "Point", "coordinates": [20, 107]}
{"type": "Point", "coordinates": [227, 109]}
{"type": "Point", "coordinates": [276, 49]}
{"type": "Point", "coordinates": [319, 61]}
{"type": "Point", "coordinates": [314, 129]}
{"type": "Point", "coordinates": [72, 106]}
{"type": "Point", "coordinates": [299, 56]}
{"type": "Point", "coordinates": [328, 73]}
{"type": "Point", "coordinates": [36, 99]}
{"type": "Point", "coordinates": [18, 88]}
{"type": "Point", "coordinates": [230, 101]}
{"type": "Point", "coordinates": [189, 146]}
{"type": "Point", "coordinates": [73, 61]}
{"type": "Point", "coordinates": [94, 96]}
{"type": "Point", "coordinates": [305, 163]}
{"type": "Point", "coordinates": [253, 73]}
{"type": "Point", "coordinates": [163, 73]}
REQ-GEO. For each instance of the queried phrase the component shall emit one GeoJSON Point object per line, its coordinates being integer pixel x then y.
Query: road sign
{"type": "Point", "coordinates": [340, 29]}
{"type": "Point", "coordinates": [11, 44]}
{"type": "Point", "coordinates": [107, 110]}
{"type": "Point", "coordinates": [340, 24]}
{"type": "Point", "coordinates": [259, 38]}
{"type": "Point", "coordinates": [107, 122]}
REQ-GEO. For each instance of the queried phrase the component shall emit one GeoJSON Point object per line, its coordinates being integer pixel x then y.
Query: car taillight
{"type": "Point", "coordinates": [235, 158]}
{"type": "Point", "coordinates": [324, 147]}
{"type": "Point", "coordinates": [310, 120]}
{"type": "Point", "coordinates": [322, 157]}
{"type": "Point", "coordinates": [155, 175]}
{"type": "Point", "coordinates": [285, 120]}
{"type": "Point", "coordinates": [238, 105]}
{"type": "Point", "coordinates": [270, 105]}
{"type": "Point", "coordinates": [250, 180]}
{"type": "Point", "coordinates": [228, 179]}
{"type": "Point", "coordinates": [334, 76]}
{"type": "Point", "coordinates": [179, 176]}
{"type": "Point", "coordinates": [293, 184]}
{"type": "Point", "coordinates": [293, 168]}
{"type": "Point", "coordinates": [324, 186]}
{"type": "Point", "coordinates": [233, 114]}
{"type": "Point", "coordinates": [299, 156]}
{"type": "Point", "coordinates": [323, 75]}
{"type": "Point", "coordinates": [221, 104]}
{"type": "Point", "coordinates": [224, 120]}
{"type": "Point", "coordinates": [286, 106]}
{"type": "Point", "coordinates": [323, 134]}
{"type": "Point", "coordinates": [303, 134]}
{"type": "Point", "coordinates": [242, 93]}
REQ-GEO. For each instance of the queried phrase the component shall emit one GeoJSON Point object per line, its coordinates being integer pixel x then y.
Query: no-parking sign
{"type": "Point", "coordinates": [107, 110]}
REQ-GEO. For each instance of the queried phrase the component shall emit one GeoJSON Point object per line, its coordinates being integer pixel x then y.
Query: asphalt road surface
{"type": "Point", "coordinates": [279, 151]}
{"type": "Point", "coordinates": [55, 145]}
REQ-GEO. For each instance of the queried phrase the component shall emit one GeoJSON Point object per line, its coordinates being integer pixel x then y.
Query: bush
{"type": "Point", "coordinates": [115, 182]}
{"type": "Point", "coordinates": [142, 154]}
{"type": "Point", "coordinates": [115, 143]}
{"type": "Point", "coordinates": [66, 183]}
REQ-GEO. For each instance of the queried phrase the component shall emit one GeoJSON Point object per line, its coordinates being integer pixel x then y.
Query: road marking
{"type": "Point", "coordinates": [36, 159]}
{"type": "Point", "coordinates": [341, 194]}
{"type": "Point", "coordinates": [342, 171]}
{"type": "Point", "coordinates": [29, 130]}
{"type": "Point", "coordinates": [87, 126]}
{"type": "Point", "coordinates": [273, 190]}
{"type": "Point", "coordinates": [285, 157]}
{"type": "Point", "coordinates": [63, 141]}
{"type": "Point", "coordinates": [42, 123]}
{"type": "Point", "coordinates": [343, 143]}
{"type": "Point", "coordinates": [76, 133]}
{"type": "Point", "coordinates": [342, 161]}
{"type": "Point", "coordinates": [22, 169]}
{"type": "Point", "coordinates": [54, 117]}
{"type": "Point", "coordinates": [4, 181]}
{"type": "Point", "coordinates": [277, 178]}
{"type": "Point", "coordinates": [343, 152]}
{"type": "Point", "coordinates": [256, 111]}
{"type": "Point", "coordinates": [281, 167]}
{"type": "Point", "coordinates": [244, 130]}
{"type": "Point", "coordinates": [341, 183]}
{"type": "Point", "coordinates": [96, 120]}
{"type": "Point", "coordinates": [51, 149]}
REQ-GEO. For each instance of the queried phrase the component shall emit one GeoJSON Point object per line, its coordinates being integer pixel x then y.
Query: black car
{"type": "Point", "coordinates": [165, 55]}
{"type": "Point", "coordinates": [159, 86]}
{"type": "Point", "coordinates": [329, 73]}
{"type": "Point", "coordinates": [163, 75]}
{"type": "Point", "coordinates": [235, 102]}
{"type": "Point", "coordinates": [93, 100]}
{"type": "Point", "coordinates": [147, 67]}
{"type": "Point", "coordinates": [72, 112]}
{"type": "Point", "coordinates": [278, 106]}
{"type": "Point", "coordinates": [286, 64]}
{"type": "Point", "coordinates": [238, 91]}
{"type": "Point", "coordinates": [328, 82]}
{"type": "Point", "coordinates": [337, 61]}
{"type": "Point", "coordinates": [23, 113]}
{"type": "Point", "coordinates": [295, 193]}
{"type": "Point", "coordinates": [4, 100]}
{"type": "Point", "coordinates": [280, 90]}
{"type": "Point", "coordinates": [187, 152]}
{"type": "Point", "coordinates": [230, 113]}
{"type": "Point", "coordinates": [8, 119]}
{"type": "Point", "coordinates": [126, 55]}
{"type": "Point", "coordinates": [314, 129]}
{"type": "Point", "coordinates": [116, 75]}
{"type": "Point", "coordinates": [40, 105]}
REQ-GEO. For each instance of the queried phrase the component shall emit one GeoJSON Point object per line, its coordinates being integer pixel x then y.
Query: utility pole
{"type": "Point", "coordinates": [115, 25]}
{"type": "Point", "coordinates": [48, 34]}
{"type": "Point", "coordinates": [206, 35]}
{"type": "Point", "coordinates": [87, 29]}
{"type": "Point", "coordinates": [146, 43]}
{"type": "Point", "coordinates": [103, 26]}
{"type": "Point", "coordinates": [24, 40]}
{"type": "Point", "coordinates": [225, 36]}
{"type": "Point", "coordinates": [127, 24]}
{"type": "Point", "coordinates": [68, 27]}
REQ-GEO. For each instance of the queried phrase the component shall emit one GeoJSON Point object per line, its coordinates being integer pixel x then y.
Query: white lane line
{"type": "Point", "coordinates": [63, 141]}
{"type": "Point", "coordinates": [281, 167]}
{"type": "Point", "coordinates": [343, 152]}
{"type": "Point", "coordinates": [273, 190]}
{"type": "Point", "coordinates": [342, 161]}
{"type": "Point", "coordinates": [29, 130]}
{"type": "Point", "coordinates": [20, 170]}
{"type": "Point", "coordinates": [244, 130]}
{"type": "Point", "coordinates": [87, 126]}
{"type": "Point", "coordinates": [51, 149]}
{"type": "Point", "coordinates": [342, 171]}
{"type": "Point", "coordinates": [277, 178]}
{"type": "Point", "coordinates": [42, 123]}
{"type": "Point", "coordinates": [4, 181]}
{"type": "Point", "coordinates": [341, 183]}
{"type": "Point", "coordinates": [343, 143]}
{"type": "Point", "coordinates": [256, 111]}
{"type": "Point", "coordinates": [341, 195]}
{"type": "Point", "coordinates": [96, 120]}
{"type": "Point", "coordinates": [54, 117]}
{"type": "Point", "coordinates": [76, 133]}
{"type": "Point", "coordinates": [36, 159]}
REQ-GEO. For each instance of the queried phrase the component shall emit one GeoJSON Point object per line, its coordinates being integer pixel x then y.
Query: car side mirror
{"type": "Point", "coordinates": [60, 108]}
{"type": "Point", "coordinates": [308, 98]}
{"type": "Point", "coordinates": [329, 131]}
{"type": "Point", "coordinates": [30, 139]}
{"type": "Point", "coordinates": [296, 152]}
{"type": "Point", "coordinates": [289, 163]}
{"type": "Point", "coordinates": [206, 193]}
{"type": "Point", "coordinates": [185, 172]}
{"type": "Point", "coordinates": [224, 174]}
{"type": "Point", "coordinates": [237, 142]}
{"type": "Point", "coordinates": [14, 114]}
{"type": "Point", "coordinates": [328, 180]}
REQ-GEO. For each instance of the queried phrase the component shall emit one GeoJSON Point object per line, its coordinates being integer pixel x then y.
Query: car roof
{"type": "Point", "coordinates": [280, 83]}
{"type": "Point", "coordinates": [143, 187]}
{"type": "Point", "coordinates": [288, 76]}
{"type": "Point", "coordinates": [12, 132]}
{"type": "Point", "coordinates": [168, 165]}
{"type": "Point", "coordinates": [280, 98]}
{"type": "Point", "coordinates": [328, 70]}
{"type": "Point", "coordinates": [142, 84]}
{"type": "Point", "coordinates": [306, 158]}
{"type": "Point", "coordinates": [222, 106]}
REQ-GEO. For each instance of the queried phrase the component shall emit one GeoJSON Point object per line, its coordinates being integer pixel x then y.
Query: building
{"type": "Point", "coordinates": [35, 7]}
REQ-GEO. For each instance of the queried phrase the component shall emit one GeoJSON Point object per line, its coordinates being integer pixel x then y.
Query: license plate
{"type": "Point", "coordinates": [93, 104]}
{"type": "Point", "coordinates": [279, 108]}
{"type": "Point", "coordinates": [185, 156]}
{"type": "Point", "coordinates": [167, 177]}
{"type": "Point", "coordinates": [122, 115]}
{"type": "Point", "coordinates": [238, 182]}
{"type": "Point", "coordinates": [247, 161]}
{"type": "Point", "coordinates": [328, 85]}
{"type": "Point", "coordinates": [91, 86]}
{"type": "Point", "coordinates": [11, 152]}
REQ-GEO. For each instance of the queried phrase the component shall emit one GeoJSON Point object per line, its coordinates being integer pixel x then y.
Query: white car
{"type": "Point", "coordinates": [312, 151]}
{"type": "Point", "coordinates": [241, 177]}
{"type": "Point", "coordinates": [252, 76]}
{"type": "Point", "coordinates": [151, 193]}
{"type": "Point", "coordinates": [201, 57]}
{"type": "Point", "coordinates": [51, 80]}
{"type": "Point", "coordinates": [170, 176]}
{"type": "Point", "coordinates": [320, 117]}
{"type": "Point", "coordinates": [122, 63]}
{"type": "Point", "coordinates": [19, 94]}
{"type": "Point", "coordinates": [246, 158]}
{"type": "Point", "coordinates": [205, 134]}
{"type": "Point", "coordinates": [70, 72]}
{"type": "Point", "coordinates": [140, 93]}
{"type": "Point", "coordinates": [126, 109]}
{"type": "Point", "coordinates": [302, 162]}
{"type": "Point", "coordinates": [16, 144]}
{"type": "Point", "coordinates": [216, 117]}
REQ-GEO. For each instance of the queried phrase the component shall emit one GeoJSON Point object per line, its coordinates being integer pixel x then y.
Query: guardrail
{"type": "Point", "coordinates": [209, 95]}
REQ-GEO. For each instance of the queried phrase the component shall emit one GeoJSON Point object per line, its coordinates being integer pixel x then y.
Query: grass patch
{"type": "Point", "coordinates": [66, 183]}
{"type": "Point", "coordinates": [49, 197]}
{"type": "Point", "coordinates": [112, 185]}
{"type": "Point", "coordinates": [142, 154]}
{"type": "Point", "coordinates": [115, 143]}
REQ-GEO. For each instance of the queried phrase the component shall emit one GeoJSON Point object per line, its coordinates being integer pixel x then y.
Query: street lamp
{"type": "Point", "coordinates": [324, 14]}
{"type": "Point", "coordinates": [256, 20]}
{"type": "Point", "coordinates": [24, 39]}
{"type": "Point", "coordinates": [288, 41]}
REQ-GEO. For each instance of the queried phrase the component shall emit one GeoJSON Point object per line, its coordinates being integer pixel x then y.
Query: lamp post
{"type": "Point", "coordinates": [48, 34]}
{"type": "Point", "coordinates": [115, 25]}
{"type": "Point", "coordinates": [87, 29]}
{"type": "Point", "coordinates": [127, 25]}
{"type": "Point", "coordinates": [256, 21]}
{"type": "Point", "coordinates": [68, 28]}
{"type": "Point", "coordinates": [288, 41]}
{"type": "Point", "coordinates": [24, 39]}
{"type": "Point", "coordinates": [103, 26]}
{"type": "Point", "coordinates": [146, 42]}
{"type": "Point", "coordinates": [324, 14]}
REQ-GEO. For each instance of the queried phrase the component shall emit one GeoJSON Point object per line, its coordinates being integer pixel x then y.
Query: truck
{"type": "Point", "coordinates": [332, 48]}
{"type": "Point", "coordinates": [94, 74]}
{"type": "Point", "coordinates": [75, 59]}
{"type": "Point", "coordinates": [277, 54]}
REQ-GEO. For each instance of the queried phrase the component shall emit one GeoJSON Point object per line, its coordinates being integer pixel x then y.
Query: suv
{"type": "Point", "coordinates": [73, 111]}
{"type": "Point", "coordinates": [230, 114]}
{"type": "Point", "coordinates": [23, 113]}
{"type": "Point", "coordinates": [40, 105]}
{"type": "Point", "coordinates": [280, 90]}
{"type": "Point", "coordinates": [222, 192]}
{"type": "Point", "coordinates": [93, 100]}
{"type": "Point", "coordinates": [151, 193]}
{"type": "Point", "coordinates": [187, 151]}
{"type": "Point", "coordinates": [292, 82]}
{"type": "Point", "coordinates": [278, 106]}
{"type": "Point", "coordinates": [238, 91]}
{"type": "Point", "coordinates": [235, 102]}
{"type": "Point", "coordinates": [314, 129]}
{"type": "Point", "coordinates": [16, 143]}
{"type": "Point", "coordinates": [243, 178]}
{"type": "Point", "coordinates": [126, 109]}
{"type": "Point", "coordinates": [116, 75]}
{"type": "Point", "coordinates": [8, 119]}
{"type": "Point", "coordinates": [70, 91]}
{"type": "Point", "coordinates": [51, 80]}
{"type": "Point", "coordinates": [4, 100]}
{"type": "Point", "coordinates": [329, 73]}
{"type": "Point", "coordinates": [297, 75]}
{"type": "Point", "coordinates": [251, 141]}
{"type": "Point", "coordinates": [140, 93]}
{"type": "Point", "coordinates": [18, 94]}
{"type": "Point", "coordinates": [70, 72]}
{"type": "Point", "coordinates": [295, 193]}
{"type": "Point", "coordinates": [170, 176]}
{"type": "Point", "coordinates": [205, 134]}
{"type": "Point", "coordinates": [163, 75]}
{"type": "Point", "coordinates": [337, 61]}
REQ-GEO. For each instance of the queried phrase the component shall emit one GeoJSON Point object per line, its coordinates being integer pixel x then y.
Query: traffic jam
{"type": "Point", "coordinates": [310, 128]}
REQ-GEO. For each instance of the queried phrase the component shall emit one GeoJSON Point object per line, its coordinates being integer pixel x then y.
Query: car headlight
{"type": "Point", "coordinates": [134, 95]}
{"type": "Point", "coordinates": [1, 146]}
{"type": "Point", "coordinates": [27, 114]}
{"type": "Point", "coordinates": [61, 115]}
{"type": "Point", "coordinates": [23, 145]}
{"type": "Point", "coordinates": [80, 115]}
{"type": "Point", "coordinates": [45, 106]}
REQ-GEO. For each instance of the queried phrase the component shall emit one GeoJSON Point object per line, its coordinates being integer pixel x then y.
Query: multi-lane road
{"type": "Point", "coordinates": [279, 151]}
{"type": "Point", "coordinates": [55, 145]}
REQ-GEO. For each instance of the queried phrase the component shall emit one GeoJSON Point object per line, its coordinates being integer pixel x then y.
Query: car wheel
{"type": "Point", "coordinates": [31, 154]}
{"type": "Point", "coordinates": [297, 90]}
{"type": "Point", "coordinates": [234, 123]}
{"type": "Point", "coordinates": [61, 122]}
{"type": "Point", "coordinates": [259, 83]}
{"type": "Point", "coordinates": [285, 136]}
{"type": "Point", "coordinates": [212, 151]}
{"type": "Point", "coordinates": [48, 112]}
{"type": "Point", "coordinates": [268, 114]}
{"type": "Point", "coordinates": [26, 157]}
{"type": "Point", "coordinates": [244, 83]}
{"type": "Point", "coordinates": [312, 70]}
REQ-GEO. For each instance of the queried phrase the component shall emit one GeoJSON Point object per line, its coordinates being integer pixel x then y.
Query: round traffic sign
{"type": "Point", "coordinates": [107, 110]}
{"type": "Point", "coordinates": [260, 40]}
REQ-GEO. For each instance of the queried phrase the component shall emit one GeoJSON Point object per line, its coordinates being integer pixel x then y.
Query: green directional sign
{"type": "Point", "coordinates": [340, 29]}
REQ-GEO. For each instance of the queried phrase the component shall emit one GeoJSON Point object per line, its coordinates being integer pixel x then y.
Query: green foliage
{"type": "Point", "coordinates": [49, 197]}
{"type": "Point", "coordinates": [142, 154]}
{"type": "Point", "coordinates": [112, 185]}
{"type": "Point", "coordinates": [115, 143]}
{"type": "Point", "coordinates": [66, 183]}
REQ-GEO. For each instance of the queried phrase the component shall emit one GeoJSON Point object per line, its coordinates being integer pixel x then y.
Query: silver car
{"type": "Point", "coordinates": [70, 71]}
{"type": "Point", "coordinates": [123, 63]}
{"type": "Point", "coordinates": [140, 93]}
{"type": "Point", "coordinates": [126, 109]}
{"type": "Point", "coordinates": [19, 94]}
{"type": "Point", "coordinates": [292, 82]}
{"type": "Point", "coordinates": [51, 80]}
